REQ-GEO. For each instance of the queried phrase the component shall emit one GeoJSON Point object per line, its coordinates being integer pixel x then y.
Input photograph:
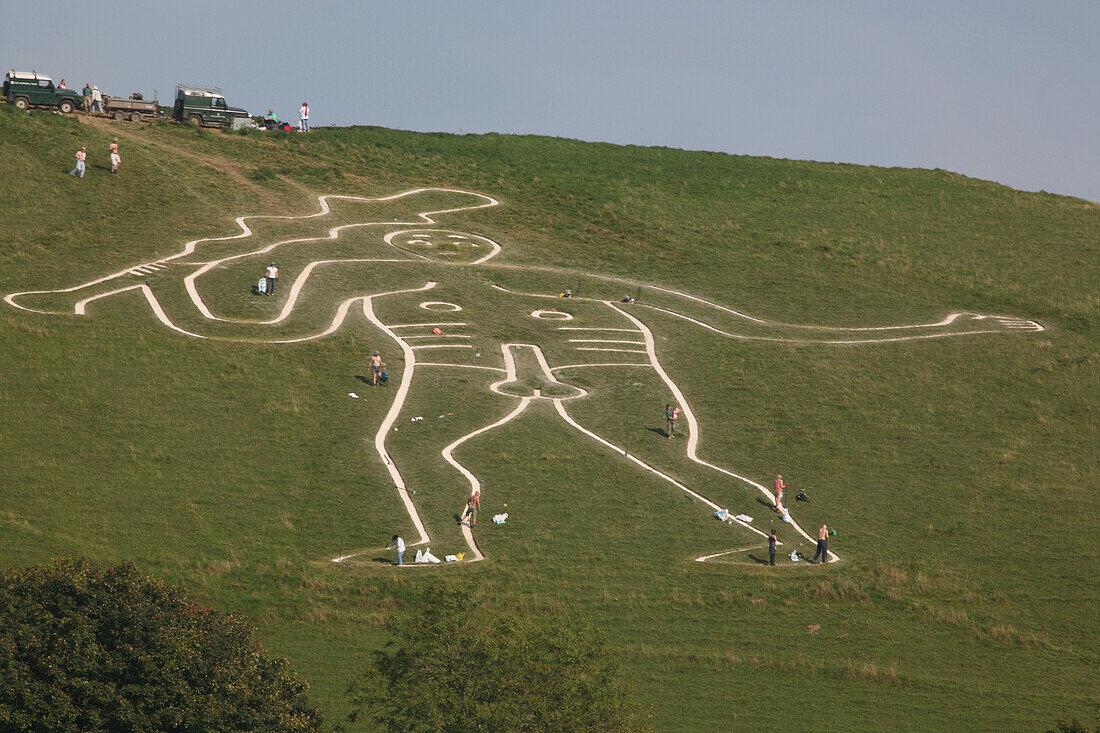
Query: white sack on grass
{"type": "Point", "coordinates": [353, 395]}
{"type": "Point", "coordinates": [723, 515]}
{"type": "Point", "coordinates": [744, 517]}
{"type": "Point", "coordinates": [419, 556]}
{"type": "Point", "coordinates": [429, 557]}
{"type": "Point", "coordinates": [794, 556]}
{"type": "Point", "coordinates": [451, 558]}
{"type": "Point", "coordinates": [500, 518]}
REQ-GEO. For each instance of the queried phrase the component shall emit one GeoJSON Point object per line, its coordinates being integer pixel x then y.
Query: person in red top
{"type": "Point", "coordinates": [779, 486]}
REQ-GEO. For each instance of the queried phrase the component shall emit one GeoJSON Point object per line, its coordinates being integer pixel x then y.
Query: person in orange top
{"type": "Point", "coordinates": [779, 486]}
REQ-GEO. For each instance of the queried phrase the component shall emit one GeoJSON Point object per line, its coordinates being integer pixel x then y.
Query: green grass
{"type": "Point", "coordinates": [961, 473]}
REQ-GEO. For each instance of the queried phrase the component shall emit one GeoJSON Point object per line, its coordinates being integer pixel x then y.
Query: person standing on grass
{"type": "Point", "coordinates": [272, 277]}
{"type": "Point", "coordinates": [86, 93]}
{"type": "Point", "coordinates": [81, 156]}
{"type": "Point", "coordinates": [376, 365]}
{"type": "Point", "coordinates": [473, 507]}
{"type": "Point", "coordinates": [303, 117]}
{"type": "Point", "coordinates": [115, 158]}
{"type": "Point", "coordinates": [779, 486]}
{"type": "Point", "coordinates": [822, 544]}
{"type": "Point", "coordinates": [398, 544]}
{"type": "Point", "coordinates": [772, 542]}
{"type": "Point", "coordinates": [97, 99]}
{"type": "Point", "coordinates": [671, 414]}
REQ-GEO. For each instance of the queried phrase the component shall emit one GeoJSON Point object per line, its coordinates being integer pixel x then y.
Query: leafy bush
{"type": "Point", "coordinates": [459, 666]}
{"type": "Point", "coordinates": [113, 650]}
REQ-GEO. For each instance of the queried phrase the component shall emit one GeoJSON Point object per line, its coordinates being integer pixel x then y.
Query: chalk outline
{"type": "Point", "coordinates": [1007, 322]}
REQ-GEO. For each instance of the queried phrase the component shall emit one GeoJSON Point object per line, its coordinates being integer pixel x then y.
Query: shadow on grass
{"type": "Point", "coordinates": [660, 431]}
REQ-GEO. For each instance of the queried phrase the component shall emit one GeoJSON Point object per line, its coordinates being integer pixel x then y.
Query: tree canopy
{"type": "Point", "coordinates": [83, 648]}
{"type": "Point", "coordinates": [455, 665]}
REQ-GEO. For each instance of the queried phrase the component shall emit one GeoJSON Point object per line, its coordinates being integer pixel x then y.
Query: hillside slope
{"type": "Point", "coordinates": [960, 472]}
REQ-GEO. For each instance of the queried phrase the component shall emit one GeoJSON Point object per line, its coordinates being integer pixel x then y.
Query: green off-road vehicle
{"type": "Point", "coordinates": [206, 106]}
{"type": "Point", "coordinates": [27, 89]}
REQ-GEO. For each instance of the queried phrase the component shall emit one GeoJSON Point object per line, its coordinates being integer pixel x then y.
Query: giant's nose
{"type": "Point", "coordinates": [529, 375]}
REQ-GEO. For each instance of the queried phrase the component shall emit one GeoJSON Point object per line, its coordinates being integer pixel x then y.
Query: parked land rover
{"type": "Point", "coordinates": [206, 106]}
{"type": "Point", "coordinates": [27, 89]}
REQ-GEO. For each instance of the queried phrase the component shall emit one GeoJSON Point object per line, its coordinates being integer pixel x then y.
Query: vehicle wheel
{"type": "Point", "coordinates": [66, 106]}
{"type": "Point", "coordinates": [195, 120]}
{"type": "Point", "coordinates": [22, 103]}
{"type": "Point", "coordinates": [135, 117]}
{"type": "Point", "coordinates": [119, 115]}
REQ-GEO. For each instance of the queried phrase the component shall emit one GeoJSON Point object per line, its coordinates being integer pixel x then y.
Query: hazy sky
{"type": "Point", "coordinates": [1001, 90]}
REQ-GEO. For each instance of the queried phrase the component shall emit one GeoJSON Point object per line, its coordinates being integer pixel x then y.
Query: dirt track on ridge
{"type": "Point", "coordinates": [233, 169]}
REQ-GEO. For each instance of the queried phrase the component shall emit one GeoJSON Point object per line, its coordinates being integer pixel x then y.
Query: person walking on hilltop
{"type": "Point", "coordinates": [303, 117]}
{"type": "Point", "coordinates": [81, 156]}
{"type": "Point", "coordinates": [671, 415]}
{"type": "Point", "coordinates": [779, 486]}
{"type": "Point", "coordinates": [115, 158]}
{"type": "Point", "coordinates": [772, 542]}
{"type": "Point", "coordinates": [822, 544]}
{"type": "Point", "coordinates": [97, 99]}
{"type": "Point", "coordinates": [86, 93]}
{"type": "Point", "coordinates": [376, 365]}
{"type": "Point", "coordinates": [272, 275]}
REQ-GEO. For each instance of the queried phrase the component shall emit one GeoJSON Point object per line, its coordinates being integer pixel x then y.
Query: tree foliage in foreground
{"type": "Point", "coordinates": [458, 666]}
{"type": "Point", "coordinates": [113, 650]}
{"type": "Point", "coordinates": [1074, 727]}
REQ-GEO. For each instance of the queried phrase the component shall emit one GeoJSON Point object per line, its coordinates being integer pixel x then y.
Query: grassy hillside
{"type": "Point", "coordinates": [961, 473]}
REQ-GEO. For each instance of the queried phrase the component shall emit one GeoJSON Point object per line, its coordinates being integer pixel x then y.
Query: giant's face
{"type": "Point", "coordinates": [443, 245]}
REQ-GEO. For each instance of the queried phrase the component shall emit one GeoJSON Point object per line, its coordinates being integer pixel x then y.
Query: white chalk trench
{"type": "Point", "coordinates": [423, 237]}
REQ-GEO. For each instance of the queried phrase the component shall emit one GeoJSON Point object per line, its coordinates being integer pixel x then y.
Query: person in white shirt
{"type": "Point", "coordinates": [97, 99]}
{"type": "Point", "coordinates": [399, 545]}
{"type": "Point", "coordinates": [81, 156]}
{"type": "Point", "coordinates": [272, 275]}
{"type": "Point", "coordinates": [303, 117]}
